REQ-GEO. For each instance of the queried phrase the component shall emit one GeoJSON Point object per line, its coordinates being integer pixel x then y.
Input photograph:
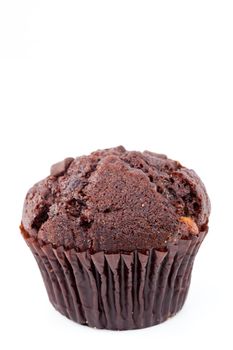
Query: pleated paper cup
{"type": "Point", "coordinates": [117, 291]}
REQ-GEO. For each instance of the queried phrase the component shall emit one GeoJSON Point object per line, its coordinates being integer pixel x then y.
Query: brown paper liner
{"type": "Point", "coordinates": [117, 291]}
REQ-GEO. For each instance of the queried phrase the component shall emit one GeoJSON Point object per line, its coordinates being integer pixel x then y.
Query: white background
{"type": "Point", "coordinates": [76, 76]}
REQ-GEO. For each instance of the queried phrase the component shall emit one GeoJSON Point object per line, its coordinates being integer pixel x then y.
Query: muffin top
{"type": "Point", "coordinates": [116, 200]}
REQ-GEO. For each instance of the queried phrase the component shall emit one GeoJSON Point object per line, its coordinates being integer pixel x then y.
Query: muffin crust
{"type": "Point", "coordinates": [116, 200]}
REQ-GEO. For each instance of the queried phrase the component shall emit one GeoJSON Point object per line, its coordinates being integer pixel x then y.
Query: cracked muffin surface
{"type": "Point", "coordinates": [116, 200]}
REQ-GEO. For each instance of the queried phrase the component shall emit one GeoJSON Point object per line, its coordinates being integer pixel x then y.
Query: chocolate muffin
{"type": "Point", "coordinates": [115, 235]}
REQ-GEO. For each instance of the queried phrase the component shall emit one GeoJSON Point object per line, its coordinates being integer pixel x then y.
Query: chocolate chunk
{"type": "Point", "coordinates": [59, 168]}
